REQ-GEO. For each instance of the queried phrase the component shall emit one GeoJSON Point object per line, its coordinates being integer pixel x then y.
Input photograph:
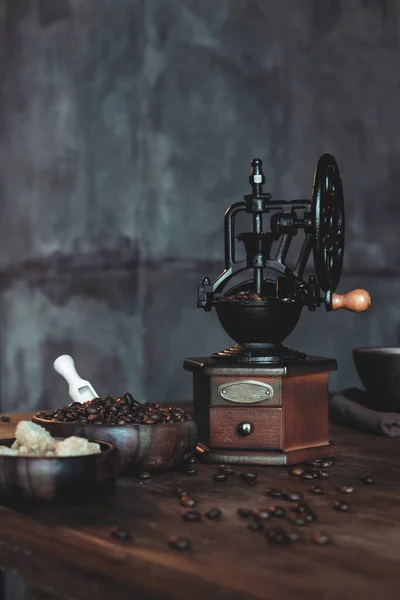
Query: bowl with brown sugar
{"type": "Point", "coordinates": [38, 468]}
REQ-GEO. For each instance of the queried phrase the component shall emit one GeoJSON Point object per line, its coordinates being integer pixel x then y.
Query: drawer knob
{"type": "Point", "coordinates": [245, 428]}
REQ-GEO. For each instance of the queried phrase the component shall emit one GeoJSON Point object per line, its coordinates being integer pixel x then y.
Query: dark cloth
{"type": "Point", "coordinates": [349, 408]}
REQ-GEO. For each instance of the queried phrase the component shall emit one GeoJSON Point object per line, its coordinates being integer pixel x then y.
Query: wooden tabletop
{"type": "Point", "coordinates": [70, 554]}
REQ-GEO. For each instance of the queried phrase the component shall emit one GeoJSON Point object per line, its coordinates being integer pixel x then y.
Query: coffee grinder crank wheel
{"type": "Point", "coordinates": [328, 223]}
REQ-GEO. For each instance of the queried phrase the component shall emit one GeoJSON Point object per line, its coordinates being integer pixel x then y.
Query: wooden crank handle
{"type": "Point", "coordinates": [356, 301]}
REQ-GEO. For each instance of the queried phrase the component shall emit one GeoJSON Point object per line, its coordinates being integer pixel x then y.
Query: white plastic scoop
{"type": "Point", "coordinates": [79, 389]}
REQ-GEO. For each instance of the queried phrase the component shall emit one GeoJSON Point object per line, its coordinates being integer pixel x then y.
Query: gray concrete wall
{"type": "Point", "coordinates": [127, 127]}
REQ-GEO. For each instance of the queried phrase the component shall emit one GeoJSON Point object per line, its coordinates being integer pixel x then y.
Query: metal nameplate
{"type": "Point", "coordinates": [245, 391]}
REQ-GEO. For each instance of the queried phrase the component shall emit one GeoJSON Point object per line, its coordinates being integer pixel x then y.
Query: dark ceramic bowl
{"type": "Point", "coordinates": [160, 447]}
{"type": "Point", "coordinates": [57, 479]}
{"type": "Point", "coordinates": [379, 371]}
{"type": "Point", "coordinates": [266, 322]}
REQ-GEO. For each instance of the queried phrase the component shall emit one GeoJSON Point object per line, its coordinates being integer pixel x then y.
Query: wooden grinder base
{"type": "Point", "coordinates": [291, 457]}
{"type": "Point", "coordinates": [290, 426]}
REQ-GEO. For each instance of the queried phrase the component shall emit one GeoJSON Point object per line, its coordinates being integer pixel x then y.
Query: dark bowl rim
{"type": "Point", "coordinates": [379, 350]}
{"type": "Point", "coordinates": [38, 420]}
{"type": "Point", "coordinates": [110, 448]}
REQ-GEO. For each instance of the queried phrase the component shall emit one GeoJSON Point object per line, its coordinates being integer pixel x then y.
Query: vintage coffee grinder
{"type": "Point", "coordinates": [260, 402]}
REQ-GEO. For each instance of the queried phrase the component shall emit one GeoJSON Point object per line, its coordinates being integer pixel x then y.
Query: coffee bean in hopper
{"type": "Point", "coordinates": [179, 543]}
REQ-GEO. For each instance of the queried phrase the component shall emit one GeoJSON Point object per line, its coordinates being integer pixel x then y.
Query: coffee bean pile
{"type": "Point", "coordinates": [124, 410]}
{"type": "Point", "coordinates": [245, 295]}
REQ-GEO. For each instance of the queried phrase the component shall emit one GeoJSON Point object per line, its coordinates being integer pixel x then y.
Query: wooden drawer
{"type": "Point", "coordinates": [266, 422]}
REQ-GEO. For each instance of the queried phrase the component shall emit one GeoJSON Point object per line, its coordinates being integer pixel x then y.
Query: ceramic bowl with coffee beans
{"type": "Point", "coordinates": [149, 436]}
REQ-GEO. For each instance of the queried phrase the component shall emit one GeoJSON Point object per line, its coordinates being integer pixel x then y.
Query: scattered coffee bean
{"type": "Point", "coordinates": [190, 470]}
{"type": "Point", "coordinates": [5, 418]}
{"type": "Point", "coordinates": [181, 544]}
{"type": "Point", "coordinates": [308, 475]}
{"type": "Point", "coordinates": [342, 506]}
{"type": "Point", "coordinates": [226, 470]}
{"type": "Point", "coordinates": [277, 511]}
{"type": "Point", "coordinates": [191, 515]}
{"type": "Point", "coordinates": [368, 479]}
{"type": "Point", "coordinates": [293, 536]}
{"type": "Point", "coordinates": [315, 463]}
{"type": "Point", "coordinates": [245, 513]}
{"type": "Point", "coordinates": [321, 538]}
{"type": "Point", "coordinates": [214, 514]}
{"type": "Point", "coordinates": [302, 507]}
{"type": "Point", "coordinates": [346, 489]}
{"type": "Point", "coordinates": [261, 514]}
{"type": "Point", "coordinates": [274, 493]}
{"type": "Point", "coordinates": [220, 477]}
{"type": "Point", "coordinates": [143, 475]}
{"type": "Point", "coordinates": [293, 496]}
{"type": "Point", "coordinates": [277, 535]}
{"type": "Point", "coordinates": [119, 411]}
{"type": "Point", "coordinates": [326, 464]}
{"type": "Point", "coordinates": [187, 502]}
{"type": "Point", "coordinates": [298, 520]}
{"type": "Point", "coordinates": [122, 534]}
{"type": "Point", "coordinates": [310, 516]}
{"type": "Point", "coordinates": [316, 489]}
{"type": "Point", "coordinates": [251, 481]}
{"type": "Point", "coordinates": [324, 474]}
{"type": "Point", "coordinates": [297, 471]}
{"type": "Point", "coordinates": [258, 526]}
{"type": "Point", "coordinates": [249, 478]}
{"type": "Point", "coordinates": [181, 492]}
